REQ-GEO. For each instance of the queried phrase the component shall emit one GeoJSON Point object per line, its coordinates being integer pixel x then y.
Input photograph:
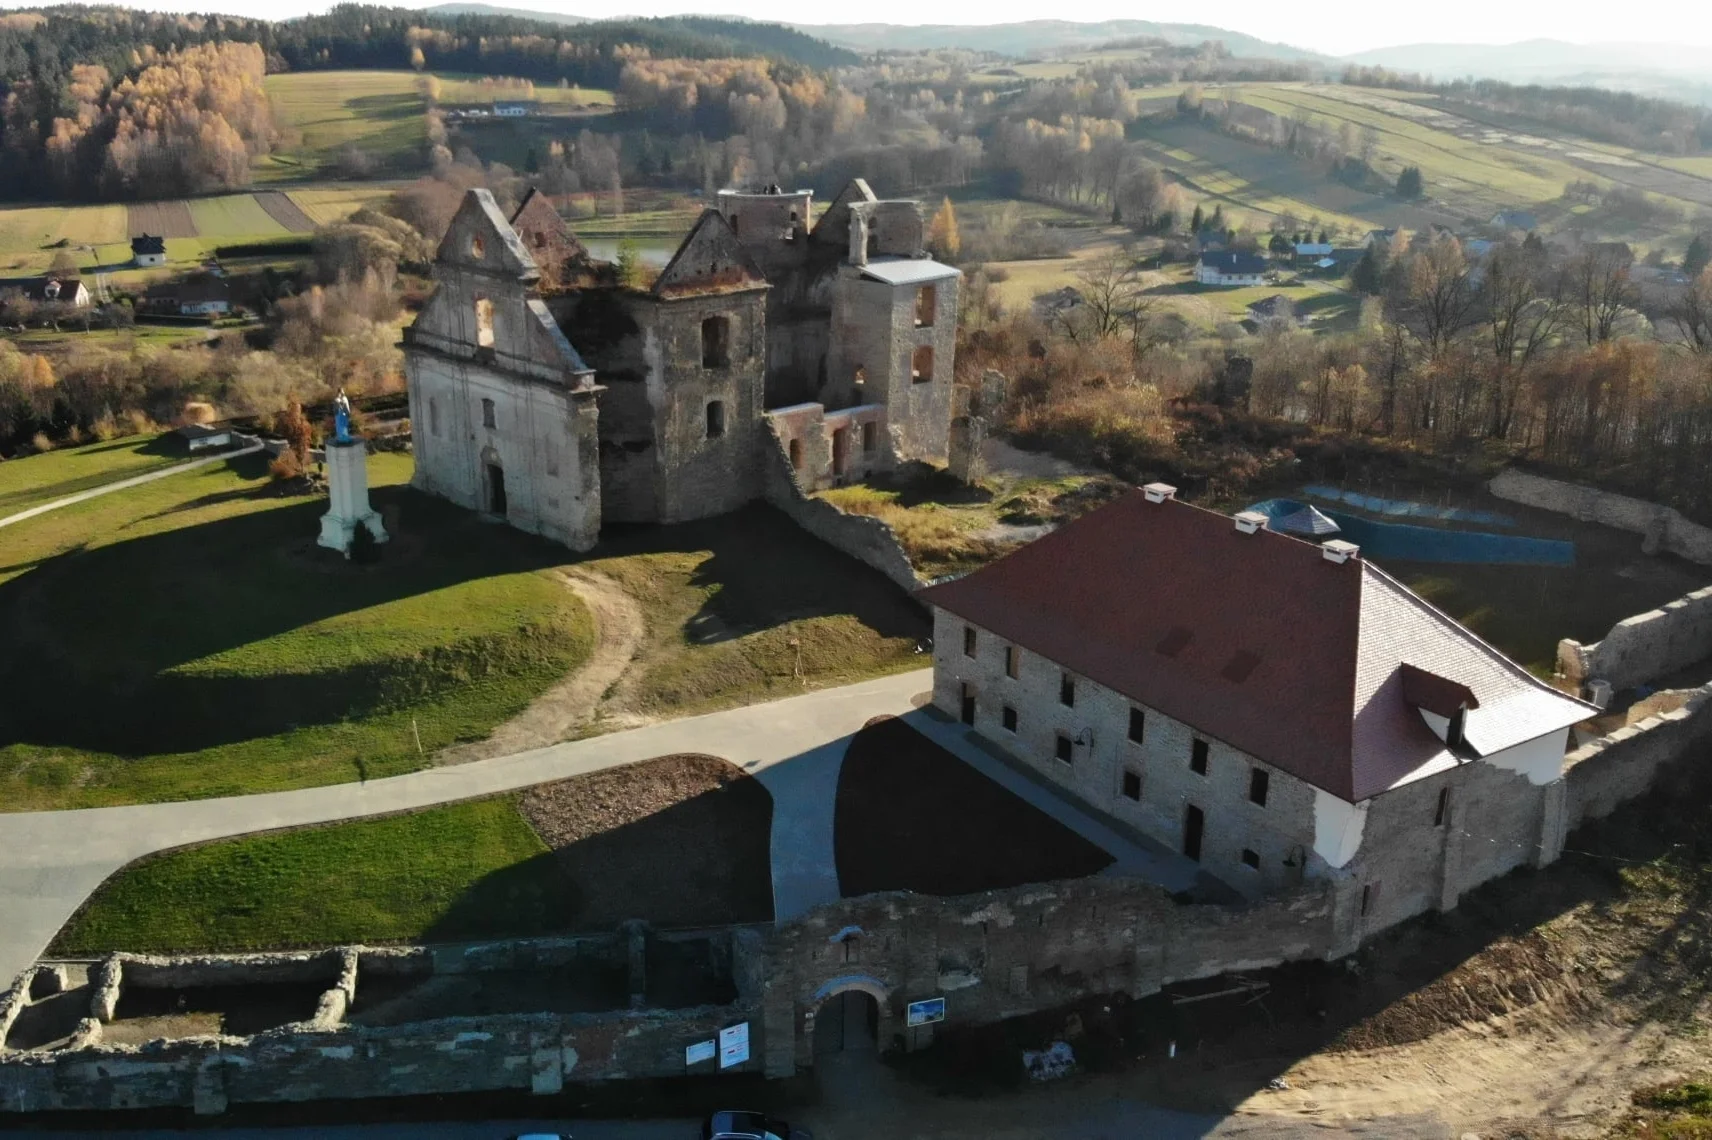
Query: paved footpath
{"type": "Point", "coordinates": [122, 484]}
{"type": "Point", "coordinates": [51, 861]}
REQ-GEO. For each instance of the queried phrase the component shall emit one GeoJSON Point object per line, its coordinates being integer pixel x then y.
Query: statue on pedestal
{"type": "Point", "coordinates": [347, 485]}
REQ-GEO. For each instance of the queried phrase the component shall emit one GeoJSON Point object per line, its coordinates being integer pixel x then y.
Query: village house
{"type": "Point", "coordinates": [1230, 268]}
{"type": "Point", "coordinates": [1276, 309]}
{"type": "Point", "coordinates": [1309, 252]}
{"type": "Point", "coordinates": [148, 251]}
{"type": "Point", "coordinates": [546, 391]}
{"type": "Point", "coordinates": [202, 296]}
{"type": "Point", "coordinates": [50, 290]}
{"type": "Point", "coordinates": [1523, 220]}
{"type": "Point", "coordinates": [1274, 709]}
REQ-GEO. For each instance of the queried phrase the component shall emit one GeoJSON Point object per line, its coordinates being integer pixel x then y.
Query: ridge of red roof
{"type": "Point", "coordinates": [1111, 596]}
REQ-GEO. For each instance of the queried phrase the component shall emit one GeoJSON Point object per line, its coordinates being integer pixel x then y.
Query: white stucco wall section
{"type": "Point", "coordinates": [1539, 759]}
{"type": "Point", "coordinates": [1338, 827]}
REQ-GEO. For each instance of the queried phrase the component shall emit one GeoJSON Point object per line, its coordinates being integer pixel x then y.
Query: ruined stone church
{"type": "Point", "coordinates": [547, 392]}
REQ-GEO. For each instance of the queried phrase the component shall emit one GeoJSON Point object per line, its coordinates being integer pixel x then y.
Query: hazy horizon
{"type": "Point", "coordinates": [1351, 28]}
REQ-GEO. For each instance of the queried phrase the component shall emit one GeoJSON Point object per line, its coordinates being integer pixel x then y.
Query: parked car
{"type": "Point", "coordinates": [749, 1126]}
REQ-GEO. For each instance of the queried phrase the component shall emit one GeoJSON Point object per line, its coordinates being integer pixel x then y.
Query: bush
{"type": "Point", "coordinates": [286, 467]}
{"type": "Point", "coordinates": [41, 443]}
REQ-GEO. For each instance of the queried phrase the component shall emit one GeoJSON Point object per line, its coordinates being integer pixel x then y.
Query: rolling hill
{"type": "Point", "coordinates": [1033, 37]}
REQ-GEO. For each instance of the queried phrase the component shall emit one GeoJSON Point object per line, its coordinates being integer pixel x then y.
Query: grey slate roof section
{"type": "Point", "coordinates": [908, 270]}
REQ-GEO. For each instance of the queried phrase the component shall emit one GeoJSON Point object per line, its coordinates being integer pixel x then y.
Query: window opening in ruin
{"type": "Point", "coordinates": [540, 239]}
{"type": "Point", "coordinates": [1194, 824]}
{"type": "Point", "coordinates": [715, 419]}
{"type": "Point", "coordinates": [1369, 898]}
{"type": "Point", "coordinates": [484, 322]}
{"type": "Point", "coordinates": [1009, 719]}
{"type": "Point", "coordinates": [487, 413]}
{"type": "Point", "coordinates": [873, 244]}
{"type": "Point", "coordinates": [715, 342]}
{"type": "Point", "coordinates": [1013, 661]}
{"type": "Point", "coordinates": [1198, 758]}
{"type": "Point", "coordinates": [968, 641]}
{"type": "Point", "coordinates": [1137, 724]}
{"type": "Point", "coordinates": [477, 249]}
{"type": "Point", "coordinates": [870, 438]}
{"type": "Point", "coordinates": [433, 417]}
{"type": "Point", "coordinates": [1443, 807]}
{"type": "Point", "coordinates": [840, 451]}
{"type": "Point", "coordinates": [1067, 690]}
{"type": "Point", "coordinates": [496, 489]}
{"type": "Point", "coordinates": [1251, 859]}
{"type": "Point", "coordinates": [926, 301]}
{"type": "Point", "coordinates": [921, 364]}
{"type": "Point", "coordinates": [1132, 785]}
{"type": "Point", "coordinates": [1259, 783]}
{"type": "Point", "coordinates": [733, 221]}
{"type": "Point", "coordinates": [796, 455]}
{"type": "Point", "coordinates": [852, 949]}
{"type": "Point", "coordinates": [968, 709]}
{"type": "Point", "coordinates": [1062, 750]}
{"type": "Point", "coordinates": [859, 386]}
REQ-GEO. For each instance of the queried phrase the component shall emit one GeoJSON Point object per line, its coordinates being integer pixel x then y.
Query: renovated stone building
{"type": "Point", "coordinates": [1277, 710]}
{"type": "Point", "coordinates": [548, 391]}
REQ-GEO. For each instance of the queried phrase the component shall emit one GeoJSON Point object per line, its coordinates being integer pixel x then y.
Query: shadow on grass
{"type": "Point", "coordinates": [100, 633]}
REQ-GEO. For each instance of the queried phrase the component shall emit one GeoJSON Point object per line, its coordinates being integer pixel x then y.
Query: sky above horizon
{"type": "Point", "coordinates": [1339, 28]}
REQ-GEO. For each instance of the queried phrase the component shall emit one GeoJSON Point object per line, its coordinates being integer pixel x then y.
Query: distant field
{"type": "Point", "coordinates": [379, 112]}
{"type": "Point", "coordinates": [233, 216]}
{"type": "Point", "coordinates": [27, 232]}
{"type": "Point", "coordinates": [461, 89]}
{"type": "Point", "coordinates": [326, 205]}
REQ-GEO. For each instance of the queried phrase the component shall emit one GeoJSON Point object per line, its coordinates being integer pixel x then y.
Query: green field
{"type": "Point", "coordinates": [233, 218]}
{"type": "Point", "coordinates": [36, 479]}
{"type": "Point", "coordinates": [228, 656]}
{"type": "Point", "coordinates": [379, 112]}
{"type": "Point", "coordinates": [464, 871]}
{"type": "Point", "coordinates": [459, 89]}
{"type": "Point", "coordinates": [330, 204]}
{"type": "Point", "coordinates": [27, 232]}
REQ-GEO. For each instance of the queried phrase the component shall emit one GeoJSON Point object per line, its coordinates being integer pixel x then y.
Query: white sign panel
{"type": "Point", "coordinates": [699, 1052]}
{"type": "Point", "coordinates": [734, 1045]}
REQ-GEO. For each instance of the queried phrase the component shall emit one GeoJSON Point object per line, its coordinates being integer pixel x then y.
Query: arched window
{"type": "Point", "coordinates": [477, 250]}
{"type": "Point", "coordinates": [716, 342]}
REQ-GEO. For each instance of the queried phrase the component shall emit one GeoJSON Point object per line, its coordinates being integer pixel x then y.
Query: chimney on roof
{"type": "Point", "coordinates": [1250, 521]}
{"type": "Point", "coordinates": [1159, 492]}
{"type": "Point", "coordinates": [1337, 550]}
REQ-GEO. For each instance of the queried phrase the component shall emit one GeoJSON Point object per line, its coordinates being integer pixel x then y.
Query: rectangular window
{"type": "Point", "coordinates": [1259, 783]}
{"type": "Point", "coordinates": [433, 417]}
{"type": "Point", "coordinates": [1443, 807]}
{"type": "Point", "coordinates": [870, 438]}
{"type": "Point", "coordinates": [1198, 758]}
{"type": "Point", "coordinates": [487, 413]}
{"type": "Point", "coordinates": [484, 323]}
{"type": "Point", "coordinates": [1067, 690]}
{"type": "Point", "coordinates": [715, 419]}
{"type": "Point", "coordinates": [1369, 898]}
{"type": "Point", "coordinates": [1194, 823]}
{"type": "Point", "coordinates": [926, 301]}
{"type": "Point", "coordinates": [1008, 719]}
{"type": "Point", "coordinates": [1063, 750]}
{"type": "Point", "coordinates": [715, 342]}
{"type": "Point", "coordinates": [921, 364]}
{"type": "Point", "coordinates": [968, 641]}
{"type": "Point", "coordinates": [1137, 724]}
{"type": "Point", "coordinates": [1251, 859]}
{"type": "Point", "coordinates": [1013, 661]}
{"type": "Point", "coordinates": [1132, 785]}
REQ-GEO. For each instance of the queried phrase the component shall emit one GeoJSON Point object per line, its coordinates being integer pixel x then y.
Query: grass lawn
{"type": "Point", "coordinates": [892, 830]}
{"type": "Point", "coordinates": [462, 871]}
{"type": "Point", "coordinates": [329, 204]}
{"type": "Point", "coordinates": [227, 656]}
{"type": "Point", "coordinates": [749, 607]}
{"type": "Point", "coordinates": [26, 232]}
{"type": "Point", "coordinates": [458, 88]}
{"type": "Point", "coordinates": [581, 854]}
{"type": "Point", "coordinates": [380, 112]}
{"type": "Point", "coordinates": [36, 479]}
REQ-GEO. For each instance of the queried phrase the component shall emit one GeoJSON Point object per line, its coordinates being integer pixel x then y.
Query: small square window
{"type": "Point", "coordinates": [1259, 783]}
{"type": "Point", "coordinates": [1198, 758]}
{"type": "Point", "coordinates": [1008, 719]}
{"type": "Point", "coordinates": [1013, 661]}
{"type": "Point", "coordinates": [1132, 785]}
{"type": "Point", "coordinates": [1251, 859]}
{"type": "Point", "coordinates": [1064, 747]}
{"type": "Point", "coordinates": [1067, 690]}
{"type": "Point", "coordinates": [968, 641]}
{"type": "Point", "coordinates": [1137, 724]}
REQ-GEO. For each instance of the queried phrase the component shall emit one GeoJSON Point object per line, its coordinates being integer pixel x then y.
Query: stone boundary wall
{"type": "Point", "coordinates": [1646, 645]}
{"type": "Point", "coordinates": [1604, 774]}
{"type": "Point", "coordinates": [866, 539]}
{"type": "Point", "coordinates": [1664, 528]}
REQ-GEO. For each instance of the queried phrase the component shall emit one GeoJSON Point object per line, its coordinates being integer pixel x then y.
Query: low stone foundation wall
{"type": "Point", "coordinates": [865, 539]}
{"type": "Point", "coordinates": [1663, 528]}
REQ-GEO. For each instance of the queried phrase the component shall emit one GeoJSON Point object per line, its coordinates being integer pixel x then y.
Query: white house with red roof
{"type": "Point", "coordinates": [1276, 709]}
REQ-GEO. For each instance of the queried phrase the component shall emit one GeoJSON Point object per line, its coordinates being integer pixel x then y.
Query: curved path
{"type": "Point", "coordinates": [122, 484]}
{"type": "Point", "coordinates": [51, 861]}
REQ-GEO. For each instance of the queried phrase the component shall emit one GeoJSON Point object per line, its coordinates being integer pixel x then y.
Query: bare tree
{"type": "Point", "coordinates": [1691, 311]}
{"type": "Point", "coordinates": [1600, 287]}
{"type": "Point", "coordinates": [1523, 308]}
{"type": "Point", "coordinates": [1433, 295]}
{"type": "Point", "coordinates": [1114, 302]}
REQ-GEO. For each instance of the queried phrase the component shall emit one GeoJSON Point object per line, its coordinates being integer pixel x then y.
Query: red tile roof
{"type": "Point", "coordinates": [1252, 639]}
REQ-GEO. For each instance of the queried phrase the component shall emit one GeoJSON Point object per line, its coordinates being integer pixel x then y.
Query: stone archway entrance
{"type": "Point", "coordinates": [847, 1022]}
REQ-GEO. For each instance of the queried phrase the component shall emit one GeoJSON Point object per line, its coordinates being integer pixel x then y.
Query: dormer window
{"type": "Point", "coordinates": [1443, 703]}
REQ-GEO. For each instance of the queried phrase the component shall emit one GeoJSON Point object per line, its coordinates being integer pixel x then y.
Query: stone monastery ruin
{"type": "Point", "coordinates": [548, 392]}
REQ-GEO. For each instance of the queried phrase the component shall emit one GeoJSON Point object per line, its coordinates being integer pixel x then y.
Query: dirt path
{"type": "Point", "coordinates": [572, 703]}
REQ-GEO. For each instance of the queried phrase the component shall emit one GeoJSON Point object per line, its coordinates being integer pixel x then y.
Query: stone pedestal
{"type": "Point", "coordinates": [348, 489]}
